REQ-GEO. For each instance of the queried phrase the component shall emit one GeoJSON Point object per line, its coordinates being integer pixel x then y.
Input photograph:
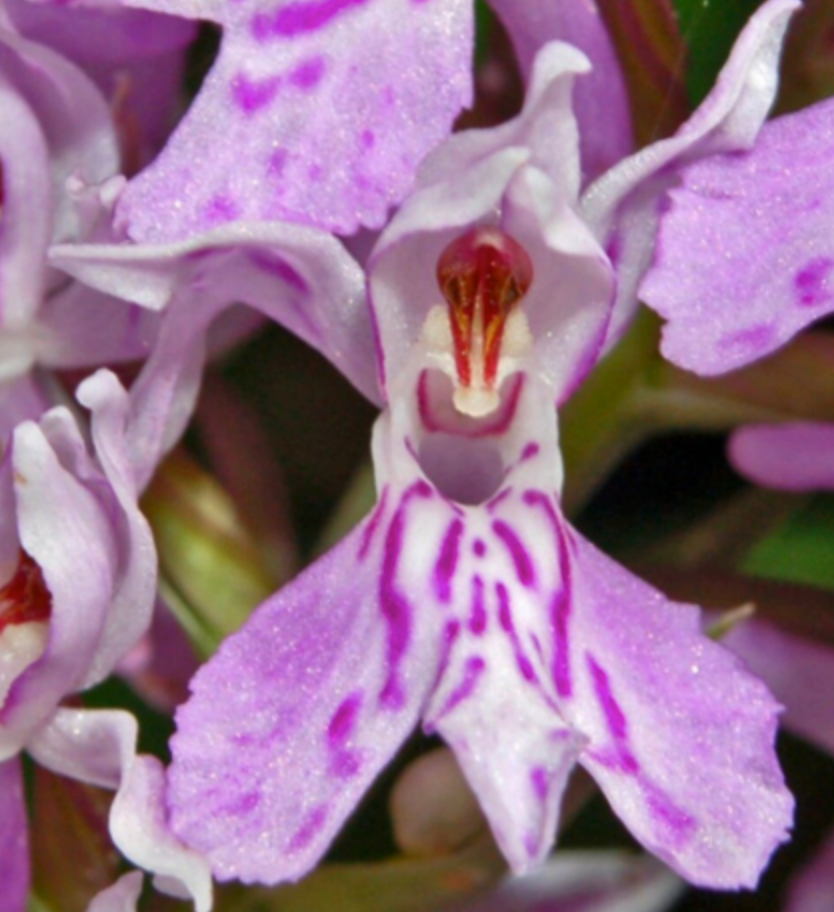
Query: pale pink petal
{"type": "Point", "coordinates": [121, 896]}
{"type": "Point", "coordinates": [791, 457]}
{"type": "Point", "coordinates": [731, 296]}
{"type": "Point", "coordinates": [681, 735]}
{"type": "Point", "coordinates": [296, 714]}
{"type": "Point", "coordinates": [331, 105]}
{"type": "Point", "coordinates": [623, 206]}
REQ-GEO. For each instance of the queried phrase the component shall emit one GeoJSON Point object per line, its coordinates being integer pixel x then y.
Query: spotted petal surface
{"type": "Point", "coordinates": [295, 715]}
{"type": "Point", "coordinates": [316, 111]}
{"type": "Point", "coordinates": [731, 296]}
{"type": "Point", "coordinates": [681, 734]}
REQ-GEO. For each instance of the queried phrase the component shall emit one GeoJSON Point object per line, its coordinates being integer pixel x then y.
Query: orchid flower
{"type": "Point", "coordinates": [465, 599]}
{"type": "Point", "coordinates": [62, 631]}
{"type": "Point", "coordinates": [62, 135]}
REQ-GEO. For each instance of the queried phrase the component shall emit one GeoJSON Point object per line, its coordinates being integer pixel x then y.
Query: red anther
{"type": "Point", "coordinates": [25, 598]}
{"type": "Point", "coordinates": [483, 275]}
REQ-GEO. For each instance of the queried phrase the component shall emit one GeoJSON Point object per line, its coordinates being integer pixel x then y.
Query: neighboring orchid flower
{"type": "Point", "coordinates": [62, 134]}
{"type": "Point", "coordinates": [792, 457]}
{"type": "Point", "coordinates": [136, 58]}
{"type": "Point", "coordinates": [465, 599]}
{"type": "Point", "coordinates": [79, 570]}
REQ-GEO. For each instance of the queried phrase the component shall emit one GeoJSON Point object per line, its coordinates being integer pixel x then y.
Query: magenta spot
{"type": "Point", "coordinates": [538, 779]}
{"type": "Point", "coordinates": [529, 451]}
{"type": "Point", "coordinates": [281, 269]}
{"type": "Point", "coordinates": [277, 163]}
{"type": "Point", "coordinates": [447, 562]}
{"type": "Point", "coordinates": [315, 173]}
{"type": "Point", "coordinates": [811, 282]}
{"type": "Point", "coordinates": [297, 18]}
{"type": "Point", "coordinates": [372, 525]}
{"type": "Point", "coordinates": [308, 830]}
{"type": "Point", "coordinates": [479, 547]}
{"type": "Point", "coordinates": [308, 74]}
{"type": "Point", "coordinates": [531, 844]}
{"type": "Point", "coordinates": [518, 553]}
{"type": "Point", "coordinates": [752, 339]}
{"type": "Point", "coordinates": [221, 209]}
{"type": "Point", "coordinates": [244, 805]}
{"type": "Point", "coordinates": [250, 95]}
{"type": "Point", "coordinates": [478, 616]}
{"type": "Point", "coordinates": [345, 764]}
{"type": "Point", "coordinates": [344, 719]}
{"type": "Point", "coordinates": [368, 139]}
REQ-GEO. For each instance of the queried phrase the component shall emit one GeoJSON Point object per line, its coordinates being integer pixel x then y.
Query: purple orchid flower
{"type": "Point", "coordinates": [79, 571]}
{"type": "Point", "coordinates": [63, 135]}
{"type": "Point", "coordinates": [465, 599]}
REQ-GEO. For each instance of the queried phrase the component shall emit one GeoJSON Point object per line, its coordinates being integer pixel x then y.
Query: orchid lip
{"type": "Point", "coordinates": [483, 275]}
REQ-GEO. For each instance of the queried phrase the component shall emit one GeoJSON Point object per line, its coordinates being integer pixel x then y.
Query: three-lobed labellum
{"type": "Point", "coordinates": [483, 275]}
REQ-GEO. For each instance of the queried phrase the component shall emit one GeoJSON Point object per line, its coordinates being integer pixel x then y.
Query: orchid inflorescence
{"type": "Point", "coordinates": [478, 279]}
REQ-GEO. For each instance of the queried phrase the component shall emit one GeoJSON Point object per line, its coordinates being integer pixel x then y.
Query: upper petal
{"type": "Point", "coordinates": [791, 457]}
{"type": "Point", "coordinates": [733, 296]}
{"type": "Point", "coordinates": [294, 716]}
{"type": "Point", "coordinates": [600, 99]}
{"type": "Point", "coordinates": [622, 206]}
{"type": "Point", "coordinates": [681, 735]}
{"type": "Point", "coordinates": [331, 104]}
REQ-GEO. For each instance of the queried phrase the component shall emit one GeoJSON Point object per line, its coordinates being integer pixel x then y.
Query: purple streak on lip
{"type": "Point", "coordinates": [306, 832]}
{"type": "Point", "coordinates": [538, 779]}
{"type": "Point", "coordinates": [447, 562]}
{"type": "Point", "coordinates": [521, 559]}
{"type": "Point", "coordinates": [561, 601]}
{"type": "Point", "coordinates": [473, 670]}
{"type": "Point", "coordinates": [505, 618]}
{"type": "Point", "coordinates": [373, 525]}
{"type": "Point", "coordinates": [396, 608]}
{"type": "Point", "coordinates": [502, 495]}
{"type": "Point", "coordinates": [298, 18]}
{"type": "Point", "coordinates": [479, 547]}
{"type": "Point", "coordinates": [614, 716]}
{"type": "Point", "coordinates": [530, 450]}
{"type": "Point", "coordinates": [344, 719]}
{"type": "Point", "coordinates": [478, 616]}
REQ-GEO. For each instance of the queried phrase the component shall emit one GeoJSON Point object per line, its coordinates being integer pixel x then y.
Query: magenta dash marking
{"type": "Point", "coordinates": [560, 603]}
{"type": "Point", "coordinates": [473, 669]}
{"type": "Point", "coordinates": [479, 547]}
{"type": "Point", "coordinates": [345, 764]}
{"type": "Point", "coordinates": [308, 74]}
{"type": "Point", "coordinates": [531, 450]}
{"type": "Point", "coordinates": [298, 18]}
{"type": "Point", "coordinates": [812, 282]}
{"type": "Point", "coordinates": [373, 525]}
{"type": "Point", "coordinates": [344, 719]}
{"type": "Point", "coordinates": [538, 779]}
{"type": "Point", "coordinates": [395, 607]}
{"type": "Point", "coordinates": [444, 569]}
{"type": "Point", "coordinates": [521, 559]}
{"type": "Point", "coordinates": [478, 615]}
{"type": "Point", "coordinates": [251, 95]}
{"type": "Point", "coordinates": [614, 715]}
{"type": "Point", "coordinates": [305, 834]}
{"type": "Point", "coordinates": [505, 618]}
